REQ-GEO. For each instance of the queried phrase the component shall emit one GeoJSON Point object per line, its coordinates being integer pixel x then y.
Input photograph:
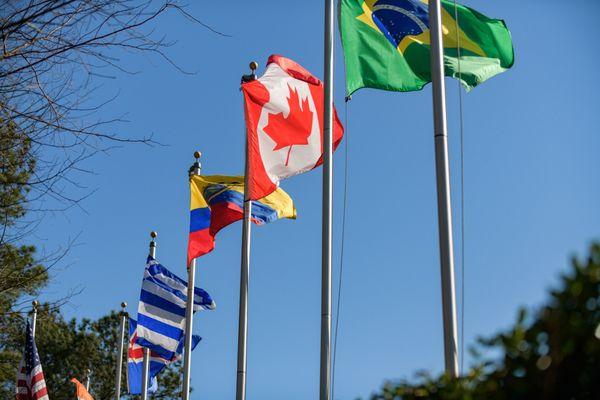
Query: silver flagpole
{"type": "Point", "coordinates": [34, 316]}
{"type": "Point", "coordinates": [244, 272]}
{"type": "Point", "coordinates": [325, 370]}
{"type": "Point", "coordinates": [146, 362]}
{"type": "Point", "coordinates": [189, 311]}
{"type": "Point", "coordinates": [123, 315]}
{"type": "Point", "coordinates": [443, 190]}
{"type": "Point", "coordinates": [87, 380]}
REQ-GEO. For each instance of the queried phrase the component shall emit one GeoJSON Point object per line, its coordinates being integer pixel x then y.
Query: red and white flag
{"type": "Point", "coordinates": [30, 377]}
{"type": "Point", "coordinates": [284, 124]}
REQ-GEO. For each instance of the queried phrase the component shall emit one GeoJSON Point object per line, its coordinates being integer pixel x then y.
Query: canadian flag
{"type": "Point", "coordinates": [284, 124]}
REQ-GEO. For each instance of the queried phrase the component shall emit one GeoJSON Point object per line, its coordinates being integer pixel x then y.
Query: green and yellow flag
{"type": "Point", "coordinates": [386, 44]}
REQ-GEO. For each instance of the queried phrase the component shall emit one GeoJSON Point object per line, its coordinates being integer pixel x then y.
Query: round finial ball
{"type": "Point", "coordinates": [197, 154]}
{"type": "Point", "coordinates": [123, 305]}
{"type": "Point", "coordinates": [253, 65]}
{"type": "Point", "coordinates": [153, 234]}
{"type": "Point", "coordinates": [34, 303]}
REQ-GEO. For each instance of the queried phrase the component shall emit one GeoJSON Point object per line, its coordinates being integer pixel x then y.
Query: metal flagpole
{"type": "Point", "coordinates": [146, 362]}
{"type": "Point", "coordinates": [189, 311]}
{"type": "Point", "coordinates": [325, 370]}
{"type": "Point", "coordinates": [240, 393]}
{"type": "Point", "coordinates": [123, 315]}
{"type": "Point", "coordinates": [87, 380]}
{"type": "Point", "coordinates": [443, 189]}
{"type": "Point", "coordinates": [34, 316]}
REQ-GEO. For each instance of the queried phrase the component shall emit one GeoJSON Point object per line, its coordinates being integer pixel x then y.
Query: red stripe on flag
{"type": "Point", "coordinates": [136, 353]}
{"type": "Point", "coordinates": [223, 214]}
{"type": "Point", "coordinates": [256, 96]}
{"type": "Point", "coordinates": [36, 378]}
{"type": "Point", "coordinates": [40, 393]}
{"type": "Point", "coordinates": [200, 243]}
{"type": "Point", "coordinates": [338, 129]}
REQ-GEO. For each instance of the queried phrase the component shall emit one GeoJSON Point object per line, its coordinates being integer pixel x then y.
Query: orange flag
{"type": "Point", "coordinates": [82, 393]}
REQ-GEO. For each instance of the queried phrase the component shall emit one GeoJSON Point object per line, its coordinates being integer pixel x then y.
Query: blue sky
{"type": "Point", "coordinates": [531, 195]}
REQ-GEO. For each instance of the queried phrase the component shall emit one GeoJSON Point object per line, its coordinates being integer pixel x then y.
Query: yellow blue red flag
{"type": "Point", "coordinates": [217, 201]}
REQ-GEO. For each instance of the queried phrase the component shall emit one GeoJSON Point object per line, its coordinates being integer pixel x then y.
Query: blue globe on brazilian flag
{"type": "Point", "coordinates": [386, 44]}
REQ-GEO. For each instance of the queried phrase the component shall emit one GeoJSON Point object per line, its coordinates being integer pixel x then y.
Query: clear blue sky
{"type": "Point", "coordinates": [531, 192]}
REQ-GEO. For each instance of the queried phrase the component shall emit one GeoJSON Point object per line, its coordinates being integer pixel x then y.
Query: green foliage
{"type": "Point", "coordinates": [553, 353]}
{"type": "Point", "coordinates": [16, 167]}
{"type": "Point", "coordinates": [19, 273]}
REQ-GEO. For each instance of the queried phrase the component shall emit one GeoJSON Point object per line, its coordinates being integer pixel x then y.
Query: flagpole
{"type": "Point", "coordinates": [34, 316]}
{"type": "Point", "coordinates": [325, 370]}
{"type": "Point", "coordinates": [146, 351]}
{"type": "Point", "coordinates": [123, 315]}
{"type": "Point", "coordinates": [189, 311]}
{"type": "Point", "coordinates": [443, 190]}
{"type": "Point", "coordinates": [87, 380]}
{"type": "Point", "coordinates": [240, 393]}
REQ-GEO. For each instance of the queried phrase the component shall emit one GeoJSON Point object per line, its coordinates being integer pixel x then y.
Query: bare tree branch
{"type": "Point", "coordinates": [53, 53]}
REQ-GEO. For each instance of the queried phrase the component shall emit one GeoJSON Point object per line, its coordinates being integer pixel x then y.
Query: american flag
{"type": "Point", "coordinates": [30, 377]}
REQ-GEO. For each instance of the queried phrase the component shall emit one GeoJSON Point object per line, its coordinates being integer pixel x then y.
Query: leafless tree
{"type": "Point", "coordinates": [53, 55]}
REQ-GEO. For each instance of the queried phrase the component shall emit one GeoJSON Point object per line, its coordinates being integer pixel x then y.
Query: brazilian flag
{"type": "Point", "coordinates": [386, 44]}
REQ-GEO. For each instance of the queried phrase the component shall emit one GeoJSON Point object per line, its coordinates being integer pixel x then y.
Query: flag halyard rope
{"type": "Point", "coordinates": [462, 198]}
{"type": "Point", "coordinates": [343, 236]}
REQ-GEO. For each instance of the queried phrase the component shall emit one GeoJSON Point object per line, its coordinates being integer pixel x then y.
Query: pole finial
{"type": "Point", "coordinates": [196, 166]}
{"type": "Point", "coordinates": [35, 304]}
{"type": "Point", "coordinates": [252, 76]}
{"type": "Point", "coordinates": [153, 235]}
{"type": "Point", "coordinates": [123, 312]}
{"type": "Point", "coordinates": [253, 66]}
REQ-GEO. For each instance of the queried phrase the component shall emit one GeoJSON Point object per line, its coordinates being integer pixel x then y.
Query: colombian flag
{"type": "Point", "coordinates": [217, 201]}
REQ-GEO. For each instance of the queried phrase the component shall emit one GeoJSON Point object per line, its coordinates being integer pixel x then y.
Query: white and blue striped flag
{"type": "Point", "coordinates": [161, 312]}
{"type": "Point", "coordinates": [135, 358]}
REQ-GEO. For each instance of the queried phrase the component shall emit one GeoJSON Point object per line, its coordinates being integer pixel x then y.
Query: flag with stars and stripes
{"type": "Point", "coordinates": [162, 307]}
{"type": "Point", "coordinates": [30, 377]}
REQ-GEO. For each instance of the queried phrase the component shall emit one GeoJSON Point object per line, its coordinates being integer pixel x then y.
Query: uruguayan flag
{"type": "Point", "coordinates": [161, 312]}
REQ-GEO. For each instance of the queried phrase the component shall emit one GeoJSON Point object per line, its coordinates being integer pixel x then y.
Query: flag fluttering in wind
{"type": "Point", "coordinates": [80, 391]}
{"type": "Point", "coordinates": [217, 201]}
{"type": "Point", "coordinates": [161, 311]}
{"type": "Point", "coordinates": [31, 384]}
{"type": "Point", "coordinates": [284, 124]}
{"type": "Point", "coordinates": [386, 44]}
{"type": "Point", "coordinates": [135, 358]}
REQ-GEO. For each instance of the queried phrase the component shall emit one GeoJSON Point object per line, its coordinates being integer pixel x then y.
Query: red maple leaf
{"type": "Point", "coordinates": [293, 129]}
